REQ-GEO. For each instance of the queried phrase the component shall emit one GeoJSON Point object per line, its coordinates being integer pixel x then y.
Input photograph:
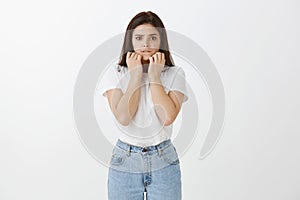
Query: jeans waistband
{"type": "Point", "coordinates": [137, 149]}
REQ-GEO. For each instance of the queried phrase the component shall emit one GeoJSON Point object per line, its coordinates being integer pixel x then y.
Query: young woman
{"type": "Point", "coordinates": [145, 91]}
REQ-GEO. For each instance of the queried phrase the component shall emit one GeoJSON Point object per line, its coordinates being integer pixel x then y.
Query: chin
{"type": "Point", "coordinates": [145, 58]}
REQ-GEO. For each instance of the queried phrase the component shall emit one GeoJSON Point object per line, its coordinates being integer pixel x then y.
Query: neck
{"type": "Point", "coordinates": [145, 62]}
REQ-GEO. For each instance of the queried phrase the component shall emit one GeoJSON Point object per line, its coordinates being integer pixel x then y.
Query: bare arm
{"type": "Point", "coordinates": [167, 106]}
{"type": "Point", "coordinates": [124, 106]}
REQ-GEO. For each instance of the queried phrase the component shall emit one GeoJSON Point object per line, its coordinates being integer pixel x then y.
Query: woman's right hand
{"type": "Point", "coordinates": [134, 63]}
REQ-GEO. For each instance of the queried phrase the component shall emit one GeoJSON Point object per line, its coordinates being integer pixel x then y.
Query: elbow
{"type": "Point", "coordinates": [121, 118]}
{"type": "Point", "coordinates": [169, 121]}
{"type": "Point", "coordinates": [124, 121]}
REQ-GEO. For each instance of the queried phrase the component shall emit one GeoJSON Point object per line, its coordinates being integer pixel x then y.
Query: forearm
{"type": "Point", "coordinates": [164, 105]}
{"type": "Point", "coordinates": [128, 103]}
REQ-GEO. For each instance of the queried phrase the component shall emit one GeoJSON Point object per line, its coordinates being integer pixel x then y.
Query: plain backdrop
{"type": "Point", "coordinates": [254, 45]}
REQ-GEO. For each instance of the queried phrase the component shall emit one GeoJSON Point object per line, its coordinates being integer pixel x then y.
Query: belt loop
{"type": "Point", "coordinates": [159, 150]}
{"type": "Point", "coordinates": [128, 151]}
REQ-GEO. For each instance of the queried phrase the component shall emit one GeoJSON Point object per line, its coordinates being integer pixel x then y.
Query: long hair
{"type": "Point", "coordinates": [146, 18]}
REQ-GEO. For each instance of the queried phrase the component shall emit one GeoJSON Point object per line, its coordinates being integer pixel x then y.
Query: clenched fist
{"type": "Point", "coordinates": [134, 63]}
{"type": "Point", "coordinates": [156, 65]}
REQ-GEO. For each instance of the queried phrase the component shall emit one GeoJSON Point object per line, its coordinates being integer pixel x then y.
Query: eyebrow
{"type": "Point", "coordinates": [143, 35]}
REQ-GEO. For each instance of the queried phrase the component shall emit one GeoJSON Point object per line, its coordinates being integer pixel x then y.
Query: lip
{"type": "Point", "coordinates": [146, 51]}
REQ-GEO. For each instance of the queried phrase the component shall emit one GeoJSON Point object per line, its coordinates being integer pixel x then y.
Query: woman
{"type": "Point", "coordinates": [145, 91]}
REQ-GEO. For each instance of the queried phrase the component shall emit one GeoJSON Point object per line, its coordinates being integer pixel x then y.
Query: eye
{"type": "Point", "coordinates": [138, 37]}
{"type": "Point", "coordinates": [153, 38]}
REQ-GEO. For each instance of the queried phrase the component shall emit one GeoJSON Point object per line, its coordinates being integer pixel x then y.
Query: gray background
{"type": "Point", "coordinates": [253, 44]}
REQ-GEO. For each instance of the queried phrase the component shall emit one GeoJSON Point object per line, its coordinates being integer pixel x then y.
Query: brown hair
{"type": "Point", "coordinates": [146, 18]}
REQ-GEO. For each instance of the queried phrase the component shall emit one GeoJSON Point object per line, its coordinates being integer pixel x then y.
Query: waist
{"type": "Point", "coordinates": [137, 149]}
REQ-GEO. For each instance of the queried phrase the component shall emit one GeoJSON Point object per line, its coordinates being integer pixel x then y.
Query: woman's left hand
{"type": "Point", "coordinates": [156, 65]}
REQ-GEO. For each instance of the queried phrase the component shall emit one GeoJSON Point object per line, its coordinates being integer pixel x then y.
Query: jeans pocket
{"type": "Point", "coordinates": [170, 155]}
{"type": "Point", "coordinates": [118, 157]}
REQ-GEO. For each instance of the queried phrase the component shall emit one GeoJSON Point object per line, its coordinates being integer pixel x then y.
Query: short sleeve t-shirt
{"type": "Point", "coordinates": [145, 129]}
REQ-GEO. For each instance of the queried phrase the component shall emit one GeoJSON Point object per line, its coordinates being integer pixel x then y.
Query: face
{"type": "Point", "coordinates": [145, 40]}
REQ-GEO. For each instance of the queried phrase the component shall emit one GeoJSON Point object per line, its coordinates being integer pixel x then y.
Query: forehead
{"type": "Point", "coordinates": [145, 29]}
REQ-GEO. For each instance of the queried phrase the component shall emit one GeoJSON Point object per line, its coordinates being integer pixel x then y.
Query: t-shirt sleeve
{"type": "Point", "coordinates": [110, 80]}
{"type": "Point", "coordinates": [179, 83]}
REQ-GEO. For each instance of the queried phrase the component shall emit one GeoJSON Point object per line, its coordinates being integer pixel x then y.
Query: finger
{"type": "Point", "coordinates": [151, 60]}
{"type": "Point", "coordinates": [163, 56]}
{"type": "Point", "coordinates": [155, 58]}
{"type": "Point", "coordinates": [139, 57]}
{"type": "Point", "coordinates": [159, 56]}
{"type": "Point", "coordinates": [128, 55]}
{"type": "Point", "coordinates": [132, 55]}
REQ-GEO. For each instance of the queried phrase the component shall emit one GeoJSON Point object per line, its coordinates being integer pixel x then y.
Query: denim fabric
{"type": "Point", "coordinates": [154, 169]}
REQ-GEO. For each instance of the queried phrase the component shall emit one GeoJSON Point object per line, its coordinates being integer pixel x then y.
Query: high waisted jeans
{"type": "Point", "coordinates": [134, 170]}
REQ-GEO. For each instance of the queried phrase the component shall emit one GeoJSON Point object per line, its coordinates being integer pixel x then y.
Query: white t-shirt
{"type": "Point", "coordinates": [145, 129]}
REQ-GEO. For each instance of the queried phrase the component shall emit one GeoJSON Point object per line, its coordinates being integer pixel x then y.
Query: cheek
{"type": "Point", "coordinates": [136, 44]}
{"type": "Point", "coordinates": [155, 44]}
{"type": "Point", "coordinates": [158, 43]}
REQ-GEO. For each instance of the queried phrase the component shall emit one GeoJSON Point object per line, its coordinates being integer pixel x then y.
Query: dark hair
{"type": "Point", "coordinates": [146, 18]}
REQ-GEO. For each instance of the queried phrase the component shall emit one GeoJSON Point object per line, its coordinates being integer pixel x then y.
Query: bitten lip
{"type": "Point", "coordinates": [147, 50]}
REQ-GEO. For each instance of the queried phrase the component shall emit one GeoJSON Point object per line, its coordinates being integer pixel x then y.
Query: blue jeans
{"type": "Point", "coordinates": [134, 170]}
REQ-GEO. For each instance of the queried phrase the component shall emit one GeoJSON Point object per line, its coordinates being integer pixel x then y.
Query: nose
{"type": "Point", "coordinates": [146, 43]}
